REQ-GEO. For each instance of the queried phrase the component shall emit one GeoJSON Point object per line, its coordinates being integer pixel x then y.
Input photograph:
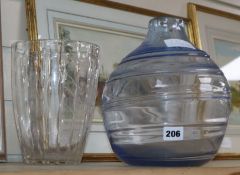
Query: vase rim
{"type": "Point", "coordinates": [54, 41]}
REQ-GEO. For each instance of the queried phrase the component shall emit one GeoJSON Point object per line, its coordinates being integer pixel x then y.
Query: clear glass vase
{"type": "Point", "coordinates": [167, 103]}
{"type": "Point", "coordinates": [54, 90]}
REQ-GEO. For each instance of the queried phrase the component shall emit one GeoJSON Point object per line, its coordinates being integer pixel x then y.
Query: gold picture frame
{"type": "Point", "coordinates": [192, 15]}
{"type": "Point", "coordinates": [193, 12]}
{"type": "Point", "coordinates": [32, 20]}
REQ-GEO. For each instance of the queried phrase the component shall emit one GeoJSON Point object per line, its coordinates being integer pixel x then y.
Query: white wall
{"type": "Point", "coordinates": [179, 7]}
{"type": "Point", "coordinates": [14, 28]}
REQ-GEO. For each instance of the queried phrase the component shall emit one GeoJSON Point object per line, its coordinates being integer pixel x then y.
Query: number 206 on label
{"type": "Point", "coordinates": [173, 133]}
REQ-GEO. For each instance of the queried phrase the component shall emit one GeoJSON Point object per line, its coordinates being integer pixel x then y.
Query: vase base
{"type": "Point", "coordinates": [196, 161]}
{"type": "Point", "coordinates": [49, 160]}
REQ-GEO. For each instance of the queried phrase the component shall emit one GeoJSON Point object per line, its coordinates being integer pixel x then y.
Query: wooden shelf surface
{"type": "Point", "coordinates": [229, 167]}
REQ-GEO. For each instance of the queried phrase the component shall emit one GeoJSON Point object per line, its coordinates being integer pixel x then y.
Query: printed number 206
{"type": "Point", "coordinates": [173, 133]}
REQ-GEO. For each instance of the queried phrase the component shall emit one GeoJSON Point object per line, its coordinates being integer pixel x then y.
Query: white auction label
{"type": "Point", "coordinates": [178, 43]}
{"type": "Point", "coordinates": [173, 133]}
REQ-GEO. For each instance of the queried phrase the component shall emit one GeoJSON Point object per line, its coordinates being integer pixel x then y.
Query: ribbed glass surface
{"type": "Point", "coordinates": [54, 90]}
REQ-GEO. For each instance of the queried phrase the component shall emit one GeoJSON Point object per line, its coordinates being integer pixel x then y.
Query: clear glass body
{"type": "Point", "coordinates": [54, 90]}
{"type": "Point", "coordinates": [162, 87]}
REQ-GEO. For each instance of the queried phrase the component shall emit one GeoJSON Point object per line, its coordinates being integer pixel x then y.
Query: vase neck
{"type": "Point", "coordinates": [166, 36]}
{"type": "Point", "coordinates": [165, 32]}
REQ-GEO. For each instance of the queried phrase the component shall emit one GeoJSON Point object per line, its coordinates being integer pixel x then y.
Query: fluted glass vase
{"type": "Point", "coordinates": [54, 90]}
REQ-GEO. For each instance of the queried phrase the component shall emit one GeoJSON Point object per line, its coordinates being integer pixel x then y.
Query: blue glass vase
{"type": "Point", "coordinates": [167, 103]}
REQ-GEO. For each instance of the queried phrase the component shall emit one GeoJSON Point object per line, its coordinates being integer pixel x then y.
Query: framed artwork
{"type": "Point", "coordinates": [115, 27]}
{"type": "Point", "coordinates": [110, 36]}
{"type": "Point", "coordinates": [217, 32]}
{"type": "Point", "coordinates": [2, 119]}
